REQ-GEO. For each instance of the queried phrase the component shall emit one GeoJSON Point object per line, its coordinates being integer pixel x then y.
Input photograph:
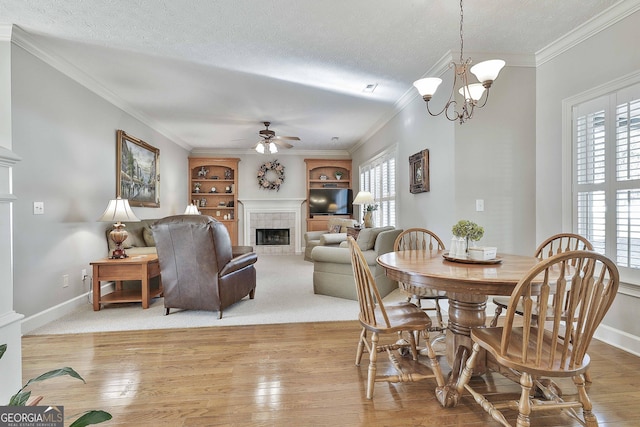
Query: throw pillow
{"type": "Point", "coordinates": [343, 222]}
{"type": "Point", "coordinates": [148, 237]}
{"type": "Point", "coordinates": [367, 237]}
{"type": "Point", "coordinates": [135, 239]}
{"type": "Point", "coordinates": [335, 229]}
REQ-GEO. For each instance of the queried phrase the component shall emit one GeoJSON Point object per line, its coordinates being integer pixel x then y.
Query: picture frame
{"type": "Point", "coordinates": [419, 172]}
{"type": "Point", "coordinates": [137, 171]}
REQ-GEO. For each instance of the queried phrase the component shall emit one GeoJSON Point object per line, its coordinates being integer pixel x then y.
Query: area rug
{"type": "Point", "coordinates": [284, 294]}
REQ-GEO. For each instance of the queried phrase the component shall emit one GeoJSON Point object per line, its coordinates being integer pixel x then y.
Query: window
{"type": "Point", "coordinates": [606, 153]}
{"type": "Point", "coordinates": [378, 176]}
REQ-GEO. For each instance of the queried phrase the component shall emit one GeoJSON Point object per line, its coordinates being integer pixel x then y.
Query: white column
{"type": "Point", "coordinates": [11, 363]}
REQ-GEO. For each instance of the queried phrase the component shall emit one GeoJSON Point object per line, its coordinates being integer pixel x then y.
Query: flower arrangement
{"type": "Point", "coordinates": [468, 229]}
{"type": "Point", "coordinates": [371, 208]}
{"type": "Point", "coordinates": [266, 173]}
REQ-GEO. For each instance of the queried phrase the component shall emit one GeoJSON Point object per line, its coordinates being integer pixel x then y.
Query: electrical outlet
{"type": "Point", "coordinates": [65, 280]}
{"type": "Point", "coordinates": [83, 274]}
{"type": "Point", "coordinates": [38, 208]}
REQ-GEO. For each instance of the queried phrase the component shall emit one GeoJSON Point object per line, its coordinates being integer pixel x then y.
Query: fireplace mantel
{"type": "Point", "coordinates": [253, 206]}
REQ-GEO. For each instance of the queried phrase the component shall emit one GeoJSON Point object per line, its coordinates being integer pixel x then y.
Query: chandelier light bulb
{"type": "Point", "coordinates": [272, 148]}
{"type": "Point", "coordinates": [260, 148]}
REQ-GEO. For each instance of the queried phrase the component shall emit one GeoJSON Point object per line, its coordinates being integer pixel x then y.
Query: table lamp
{"type": "Point", "coordinates": [365, 198]}
{"type": "Point", "coordinates": [118, 210]}
{"type": "Point", "coordinates": [191, 210]}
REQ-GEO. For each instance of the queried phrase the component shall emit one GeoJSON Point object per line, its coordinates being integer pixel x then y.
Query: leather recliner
{"type": "Point", "coordinates": [197, 266]}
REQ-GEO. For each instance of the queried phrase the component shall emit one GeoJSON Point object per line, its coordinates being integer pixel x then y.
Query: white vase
{"type": "Point", "coordinates": [462, 247]}
{"type": "Point", "coordinates": [453, 249]}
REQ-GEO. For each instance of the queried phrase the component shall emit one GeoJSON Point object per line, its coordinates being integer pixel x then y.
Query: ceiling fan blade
{"type": "Point", "coordinates": [282, 144]}
{"type": "Point", "coordinates": [290, 138]}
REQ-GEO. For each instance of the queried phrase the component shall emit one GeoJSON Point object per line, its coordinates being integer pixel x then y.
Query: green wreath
{"type": "Point", "coordinates": [271, 175]}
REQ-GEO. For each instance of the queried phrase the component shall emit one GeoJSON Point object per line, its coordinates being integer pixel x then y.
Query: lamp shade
{"type": "Point", "coordinates": [272, 148]}
{"type": "Point", "coordinates": [427, 86]}
{"type": "Point", "coordinates": [363, 198]}
{"type": "Point", "coordinates": [191, 210]}
{"type": "Point", "coordinates": [118, 210]}
{"type": "Point", "coordinates": [473, 91]}
{"type": "Point", "coordinates": [487, 71]}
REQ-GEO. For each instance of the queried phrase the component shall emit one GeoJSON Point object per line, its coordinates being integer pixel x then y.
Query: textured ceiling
{"type": "Point", "coordinates": [207, 73]}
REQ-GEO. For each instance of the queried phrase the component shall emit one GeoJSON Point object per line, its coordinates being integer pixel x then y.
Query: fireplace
{"type": "Point", "coordinates": [272, 237]}
{"type": "Point", "coordinates": [268, 222]}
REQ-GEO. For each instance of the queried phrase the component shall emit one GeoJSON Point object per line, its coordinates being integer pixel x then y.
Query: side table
{"type": "Point", "coordinates": [139, 267]}
{"type": "Point", "coordinates": [353, 232]}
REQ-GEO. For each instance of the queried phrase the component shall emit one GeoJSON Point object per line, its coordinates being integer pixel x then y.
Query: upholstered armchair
{"type": "Point", "coordinates": [335, 234]}
{"type": "Point", "coordinates": [332, 270]}
{"type": "Point", "coordinates": [197, 266]}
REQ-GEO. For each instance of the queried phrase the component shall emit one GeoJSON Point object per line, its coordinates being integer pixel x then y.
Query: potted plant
{"type": "Point", "coordinates": [23, 398]}
{"type": "Point", "coordinates": [470, 231]}
{"type": "Point", "coordinates": [338, 174]}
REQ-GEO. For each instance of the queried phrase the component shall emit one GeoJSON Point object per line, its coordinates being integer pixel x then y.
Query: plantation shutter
{"type": "Point", "coordinates": [378, 176]}
{"type": "Point", "coordinates": [606, 143]}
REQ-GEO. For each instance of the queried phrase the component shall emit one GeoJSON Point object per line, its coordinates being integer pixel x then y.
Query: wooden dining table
{"type": "Point", "coordinates": [467, 284]}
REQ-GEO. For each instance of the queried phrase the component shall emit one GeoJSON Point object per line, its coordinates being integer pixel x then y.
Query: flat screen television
{"type": "Point", "coordinates": [330, 201]}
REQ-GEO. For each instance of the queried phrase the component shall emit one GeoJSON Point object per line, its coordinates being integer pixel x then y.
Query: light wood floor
{"type": "Point", "coordinates": [275, 375]}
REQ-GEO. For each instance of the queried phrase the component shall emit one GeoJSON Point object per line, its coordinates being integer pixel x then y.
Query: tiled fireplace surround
{"type": "Point", "coordinates": [273, 213]}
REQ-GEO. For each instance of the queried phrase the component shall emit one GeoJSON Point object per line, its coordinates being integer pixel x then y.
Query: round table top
{"type": "Point", "coordinates": [429, 269]}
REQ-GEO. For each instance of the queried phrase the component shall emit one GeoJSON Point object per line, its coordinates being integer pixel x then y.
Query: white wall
{"type": "Point", "coordinates": [66, 135]}
{"type": "Point", "coordinates": [606, 56]}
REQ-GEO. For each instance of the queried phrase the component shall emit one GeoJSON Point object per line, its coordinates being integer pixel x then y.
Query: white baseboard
{"type": "Point", "coordinates": [49, 315]}
{"type": "Point", "coordinates": [619, 339]}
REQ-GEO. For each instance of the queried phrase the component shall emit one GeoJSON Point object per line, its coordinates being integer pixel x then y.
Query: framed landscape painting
{"type": "Point", "coordinates": [137, 172]}
{"type": "Point", "coordinates": [419, 170]}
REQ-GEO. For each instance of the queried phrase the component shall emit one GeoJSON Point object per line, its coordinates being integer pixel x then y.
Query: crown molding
{"type": "Point", "coordinates": [24, 40]}
{"type": "Point", "coordinates": [593, 26]}
{"type": "Point", "coordinates": [5, 32]}
{"type": "Point", "coordinates": [217, 152]}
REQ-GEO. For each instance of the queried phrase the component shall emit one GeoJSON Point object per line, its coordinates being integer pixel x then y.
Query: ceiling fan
{"type": "Point", "coordinates": [270, 141]}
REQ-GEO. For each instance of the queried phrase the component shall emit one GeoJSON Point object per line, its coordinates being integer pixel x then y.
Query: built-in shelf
{"type": "Point", "coordinates": [206, 173]}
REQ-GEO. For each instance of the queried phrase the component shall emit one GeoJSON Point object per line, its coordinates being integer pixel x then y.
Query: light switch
{"type": "Point", "coordinates": [479, 205]}
{"type": "Point", "coordinates": [38, 208]}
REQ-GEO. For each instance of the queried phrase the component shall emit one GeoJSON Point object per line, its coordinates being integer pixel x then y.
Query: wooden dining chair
{"type": "Point", "coordinates": [548, 346]}
{"type": "Point", "coordinates": [421, 238]}
{"type": "Point", "coordinates": [556, 244]}
{"type": "Point", "coordinates": [378, 319]}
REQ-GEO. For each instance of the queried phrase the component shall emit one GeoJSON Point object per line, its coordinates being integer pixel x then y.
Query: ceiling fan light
{"type": "Point", "coordinates": [272, 148]}
{"type": "Point", "coordinates": [260, 148]}
{"type": "Point", "coordinates": [427, 86]}
{"type": "Point", "coordinates": [487, 71]}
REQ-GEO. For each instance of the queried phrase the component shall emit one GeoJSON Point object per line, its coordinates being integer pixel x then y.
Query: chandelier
{"type": "Point", "coordinates": [266, 147]}
{"type": "Point", "coordinates": [486, 72]}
